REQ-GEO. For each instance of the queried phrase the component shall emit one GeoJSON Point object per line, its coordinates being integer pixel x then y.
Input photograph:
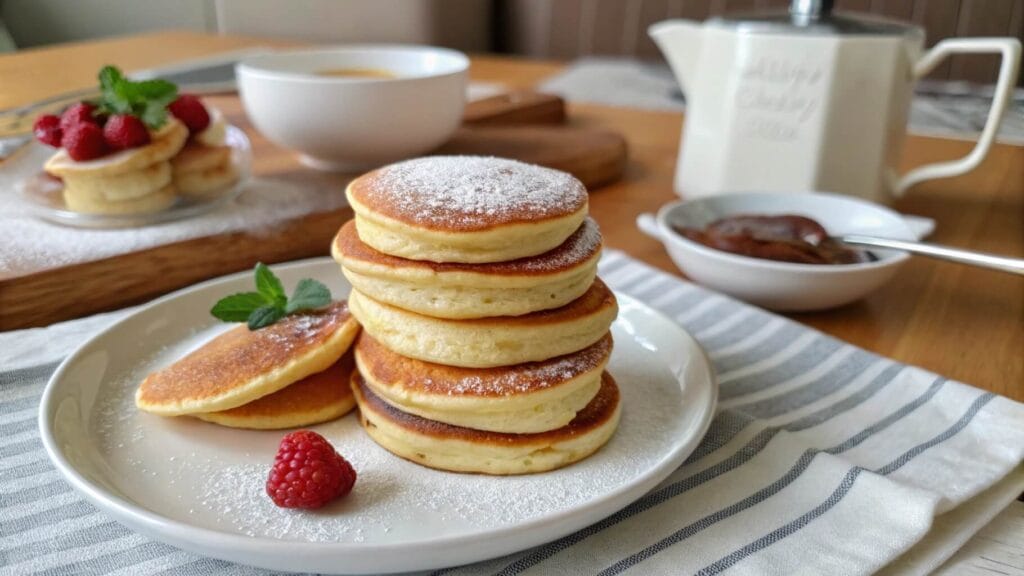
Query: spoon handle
{"type": "Point", "coordinates": [992, 261]}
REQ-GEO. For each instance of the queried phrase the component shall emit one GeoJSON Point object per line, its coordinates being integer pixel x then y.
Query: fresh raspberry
{"type": "Point", "coordinates": [47, 130]}
{"type": "Point", "coordinates": [84, 141]}
{"type": "Point", "coordinates": [308, 472]}
{"type": "Point", "coordinates": [125, 131]}
{"type": "Point", "coordinates": [77, 114]}
{"type": "Point", "coordinates": [191, 112]}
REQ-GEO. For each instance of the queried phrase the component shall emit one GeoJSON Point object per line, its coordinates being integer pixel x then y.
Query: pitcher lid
{"type": "Point", "coordinates": [815, 18]}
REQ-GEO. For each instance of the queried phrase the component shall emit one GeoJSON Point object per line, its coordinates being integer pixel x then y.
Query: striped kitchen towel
{"type": "Point", "coordinates": [823, 459]}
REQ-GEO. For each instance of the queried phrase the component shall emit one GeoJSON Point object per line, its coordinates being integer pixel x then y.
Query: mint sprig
{"type": "Point", "coordinates": [147, 99]}
{"type": "Point", "coordinates": [269, 303]}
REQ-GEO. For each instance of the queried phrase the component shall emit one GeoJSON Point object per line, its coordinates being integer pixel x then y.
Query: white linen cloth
{"type": "Point", "coordinates": [823, 459]}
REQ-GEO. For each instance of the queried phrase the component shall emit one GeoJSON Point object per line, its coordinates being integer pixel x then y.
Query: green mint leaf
{"type": "Point", "coordinates": [123, 91]}
{"type": "Point", "coordinates": [156, 91]}
{"type": "Point", "coordinates": [115, 100]}
{"type": "Point", "coordinates": [264, 316]}
{"type": "Point", "coordinates": [237, 307]}
{"type": "Point", "coordinates": [308, 295]}
{"type": "Point", "coordinates": [112, 105]}
{"type": "Point", "coordinates": [146, 99]}
{"type": "Point", "coordinates": [270, 303]}
{"type": "Point", "coordinates": [153, 114]}
{"type": "Point", "coordinates": [109, 76]}
{"type": "Point", "coordinates": [270, 286]}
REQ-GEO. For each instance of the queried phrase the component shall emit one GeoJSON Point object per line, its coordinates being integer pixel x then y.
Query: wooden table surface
{"type": "Point", "coordinates": [964, 323]}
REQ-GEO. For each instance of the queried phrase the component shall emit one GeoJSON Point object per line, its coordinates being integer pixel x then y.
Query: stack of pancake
{"type": "Point", "coordinates": [204, 166]}
{"type": "Point", "coordinates": [485, 330]}
{"type": "Point", "coordinates": [289, 374]}
{"type": "Point", "coordinates": [151, 177]}
{"type": "Point", "coordinates": [131, 181]}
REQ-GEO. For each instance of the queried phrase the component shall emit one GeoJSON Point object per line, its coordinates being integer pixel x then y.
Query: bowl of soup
{"type": "Point", "coordinates": [351, 108]}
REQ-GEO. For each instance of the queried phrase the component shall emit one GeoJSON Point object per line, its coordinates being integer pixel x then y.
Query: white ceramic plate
{"type": "Point", "coordinates": [200, 487]}
{"type": "Point", "coordinates": [45, 195]}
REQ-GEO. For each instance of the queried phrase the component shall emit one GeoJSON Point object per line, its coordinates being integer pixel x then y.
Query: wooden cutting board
{"type": "Point", "coordinates": [523, 125]}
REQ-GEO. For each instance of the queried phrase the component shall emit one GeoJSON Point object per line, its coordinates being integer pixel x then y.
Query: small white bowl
{"type": "Point", "coordinates": [781, 285]}
{"type": "Point", "coordinates": [353, 123]}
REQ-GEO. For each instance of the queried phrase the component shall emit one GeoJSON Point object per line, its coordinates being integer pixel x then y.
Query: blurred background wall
{"type": "Point", "coordinates": [560, 29]}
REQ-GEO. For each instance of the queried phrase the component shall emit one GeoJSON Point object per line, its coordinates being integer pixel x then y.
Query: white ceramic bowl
{"type": "Point", "coordinates": [355, 123]}
{"type": "Point", "coordinates": [781, 285]}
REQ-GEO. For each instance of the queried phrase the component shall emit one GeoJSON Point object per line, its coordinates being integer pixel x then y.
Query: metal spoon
{"type": "Point", "coordinates": [981, 259]}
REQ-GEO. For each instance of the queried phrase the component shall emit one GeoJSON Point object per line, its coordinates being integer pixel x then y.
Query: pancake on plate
{"type": "Point", "coordinates": [166, 142]}
{"type": "Point", "coordinates": [242, 365]}
{"type": "Point", "coordinates": [487, 342]}
{"type": "Point", "coordinates": [127, 186]}
{"type": "Point", "coordinates": [316, 398]}
{"type": "Point", "coordinates": [459, 449]}
{"type": "Point", "coordinates": [525, 398]}
{"type": "Point", "coordinates": [155, 201]}
{"type": "Point", "coordinates": [196, 157]}
{"type": "Point", "coordinates": [455, 290]}
{"type": "Point", "coordinates": [467, 209]}
{"type": "Point", "coordinates": [205, 167]}
{"type": "Point", "coordinates": [206, 182]}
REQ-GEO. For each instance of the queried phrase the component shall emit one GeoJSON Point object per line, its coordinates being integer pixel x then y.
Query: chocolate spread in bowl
{"type": "Point", "coordinates": [785, 238]}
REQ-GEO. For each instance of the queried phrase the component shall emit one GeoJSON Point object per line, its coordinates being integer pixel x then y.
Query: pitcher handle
{"type": "Point", "coordinates": [1009, 65]}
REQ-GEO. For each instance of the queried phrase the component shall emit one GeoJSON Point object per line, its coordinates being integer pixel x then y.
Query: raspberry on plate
{"type": "Point", "coordinates": [125, 131]}
{"type": "Point", "coordinates": [47, 130]}
{"type": "Point", "coordinates": [84, 141]}
{"type": "Point", "coordinates": [190, 110]}
{"type": "Point", "coordinates": [77, 114]}
{"type": "Point", "coordinates": [308, 472]}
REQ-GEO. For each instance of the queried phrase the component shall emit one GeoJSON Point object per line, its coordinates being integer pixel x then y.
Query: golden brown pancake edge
{"type": "Point", "coordinates": [392, 369]}
{"type": "Point", "coordinates": [600, 409]}
{"type": "Point", "coordinates": [582, 246]}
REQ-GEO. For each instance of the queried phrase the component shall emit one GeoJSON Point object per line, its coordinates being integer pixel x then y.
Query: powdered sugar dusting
{"type": "Point", "coordinates": [469, 192]}
{"type": "Point", "coordinates": [579, 247]}
{"type": "Point", "coordinates": [302, 330]}
{"type": "Point", "coordinates": [509, 381]}
{"type": "Point", "coordinates": [582, 245]}
{"type": "Point", "coordinates": [206, 475]}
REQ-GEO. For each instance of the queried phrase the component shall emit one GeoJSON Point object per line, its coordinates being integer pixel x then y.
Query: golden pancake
{"type": "Point", "coordinates": [454, 290]}
{"type": "Point", "coordinates": [242, 365]}
{"type": "Point", "coordinates": [161, 199]}
{"type": "Point", "coordinates": [460, 449]}
{"type": "Point", "coordinates": [523, 399]}
{"type": "Point", "coordinates": [197, 158]}
{"type": "Point", "coordinates": [487, 342]}
{"type": "Point", "coordinates": [316, 398]}
{"type": "Point", "coordinates": [205, 183]}
{"type": "Point", "coordinates": [166, 142]}
{"type": "Point", "coordinates": [127, 186]}
{"type": "Point", "coordinates": [467, 209]}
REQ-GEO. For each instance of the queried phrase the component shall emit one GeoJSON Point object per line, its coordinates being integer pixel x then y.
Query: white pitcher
{"type": "Point", "coordinates": [809, 100]}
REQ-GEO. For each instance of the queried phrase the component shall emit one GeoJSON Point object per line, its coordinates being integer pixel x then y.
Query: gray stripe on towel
{"type": "Point", "coordinates": [751, 449]}
{"type": "Point", "coordinates": [752, 324]}
{"type": "Point", "coordinates": [807, 359]}
{"type": "Point", "coordinates": [844, 487]}
{"type": "Point", "coordinates": [774, 488]}
{"type": "Point", "coordinates": [133, 556]}
{"type": "Point", "coordinates": [835, 379]}
{"type": "Point", "coordinates": [46, 517]}
{"type": "Point", "coordinates": [36, 493]}
{"type": "Point", "coordinates": [23, 377]}
{"type": "Point", "coordinates": [771, 345]}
